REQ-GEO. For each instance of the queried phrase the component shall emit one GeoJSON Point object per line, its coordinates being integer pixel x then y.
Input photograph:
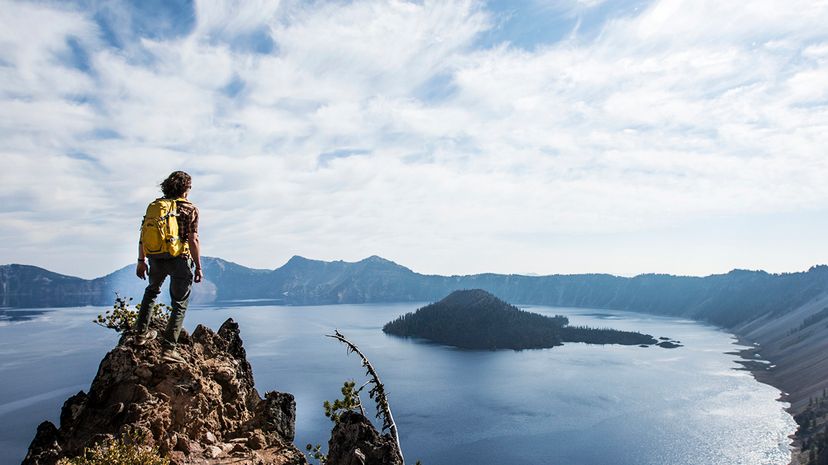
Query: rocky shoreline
{"type": "Point", "coordinates": [764, 372]}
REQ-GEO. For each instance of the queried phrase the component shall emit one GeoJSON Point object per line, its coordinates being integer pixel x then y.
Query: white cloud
{"type": "Point", "coordinates": [226, 19]}
{"type": "Point", "coordinates": [453, 158]}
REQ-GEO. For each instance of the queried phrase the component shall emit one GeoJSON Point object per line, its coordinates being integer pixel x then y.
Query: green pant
{"type": "Point", "coordinates": [180, 271]}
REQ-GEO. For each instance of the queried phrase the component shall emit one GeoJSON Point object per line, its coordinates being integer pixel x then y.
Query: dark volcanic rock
{"type": "Point", "coordinates": [355, 441]}
{"type": "Point", "coordinates": [278, 413]}
{"type": "Point", "coordinates": [204, 411]}
{"type": "Point", "coordinates": [45, 447]}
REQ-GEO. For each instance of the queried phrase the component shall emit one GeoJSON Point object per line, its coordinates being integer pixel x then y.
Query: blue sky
{"type": "Point", "coordinates": [453, 137]}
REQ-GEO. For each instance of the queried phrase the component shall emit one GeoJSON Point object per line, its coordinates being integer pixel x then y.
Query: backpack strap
{"type": "Point", "coordinates": [173, 210]}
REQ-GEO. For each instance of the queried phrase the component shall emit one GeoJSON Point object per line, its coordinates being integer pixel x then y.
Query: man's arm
{"type": "Point", "coordinates": [195, 252]}
{"type": "Point", "coordinates": [141, 269]}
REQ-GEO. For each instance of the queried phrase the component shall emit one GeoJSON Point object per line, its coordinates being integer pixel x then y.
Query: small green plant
{"type": "Point", "coordinates": [350, 401]}
{"type": "Point", "coordinates": [315, 453]}
{"type": "Point", "coordinates": [129, 449]}
{"type": "Point", "coordinates": [122, 318]}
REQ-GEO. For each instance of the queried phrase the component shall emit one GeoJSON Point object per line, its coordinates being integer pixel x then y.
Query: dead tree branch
{"type": "Point", "coordinates": [377, 392]}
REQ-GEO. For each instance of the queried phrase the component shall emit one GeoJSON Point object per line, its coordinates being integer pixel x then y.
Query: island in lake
{"type": "Point", "coordinates": [476, 319]}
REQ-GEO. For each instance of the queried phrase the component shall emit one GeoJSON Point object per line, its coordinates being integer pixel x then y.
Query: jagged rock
{"type": "Point", "coordinates": [72, 408]}
{"type": "Point", "coordinates": [45, 447]}
{"type": "Point", "coordinates": [205, 411]}
{"type": "Point", "coordinates": [278, 412]}
{"type": "Point", "coordinates": [355, 441]}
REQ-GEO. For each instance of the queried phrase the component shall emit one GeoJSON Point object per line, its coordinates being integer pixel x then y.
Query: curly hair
{"type": "Point", "coordinates": [176, 184]}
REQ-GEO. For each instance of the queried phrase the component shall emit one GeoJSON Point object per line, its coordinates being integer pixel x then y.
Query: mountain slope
{"type": "Point", "coordinates": [31, 286]}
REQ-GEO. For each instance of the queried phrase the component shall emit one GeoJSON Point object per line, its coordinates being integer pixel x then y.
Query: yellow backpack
{"type": "Point", "coordinates": [159, 231]}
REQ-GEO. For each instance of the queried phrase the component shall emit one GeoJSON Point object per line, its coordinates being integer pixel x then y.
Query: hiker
{"type": "Point", "coordinates": [169, 239]}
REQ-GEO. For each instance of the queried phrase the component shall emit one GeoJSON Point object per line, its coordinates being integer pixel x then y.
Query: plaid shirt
{"type": "Point", "coordinates": [187, 219]}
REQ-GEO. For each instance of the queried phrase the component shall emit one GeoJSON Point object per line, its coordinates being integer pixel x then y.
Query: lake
{"type": "Point", "coordinates": [575, 404]}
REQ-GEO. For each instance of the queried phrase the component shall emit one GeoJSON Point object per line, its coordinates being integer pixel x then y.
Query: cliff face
{"type": "Point", "coordinates": [204, 411]}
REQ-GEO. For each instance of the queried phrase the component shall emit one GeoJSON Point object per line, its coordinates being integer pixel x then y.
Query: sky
{"type": "Point", "coordinates": [452, 137]}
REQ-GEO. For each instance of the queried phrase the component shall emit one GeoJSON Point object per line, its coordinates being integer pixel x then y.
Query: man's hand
{"type": "Point", "coordinates": [198, 275]}
{"type": "Point", "coordinates": [141, 270]}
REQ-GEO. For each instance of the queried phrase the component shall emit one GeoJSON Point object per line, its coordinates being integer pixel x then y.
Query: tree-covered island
{"type": "Point", "coordinates": [476, 319]}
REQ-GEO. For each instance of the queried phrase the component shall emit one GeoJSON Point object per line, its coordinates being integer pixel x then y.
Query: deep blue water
{"type": "Point", "coordinates": [576, 404]}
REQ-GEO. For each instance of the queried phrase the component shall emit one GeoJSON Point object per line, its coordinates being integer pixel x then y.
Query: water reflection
{"type": "Point", "coordinates": [244, 303]}
{"type": "Point", "coordinates": [16, 315]}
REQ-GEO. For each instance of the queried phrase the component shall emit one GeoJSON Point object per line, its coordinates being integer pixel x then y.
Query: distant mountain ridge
{"type": "Point", "coordinates": [726, 299]}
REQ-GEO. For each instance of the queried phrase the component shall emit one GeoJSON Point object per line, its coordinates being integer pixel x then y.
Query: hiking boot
{"type": "Point", "coordinates": [142, 339]}
{"type": "Point", "coordinates": [172, 356]}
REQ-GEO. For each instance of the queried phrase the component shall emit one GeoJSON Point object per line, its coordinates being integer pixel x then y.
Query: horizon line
{"type": "Point", "coordinates": [812, 267]}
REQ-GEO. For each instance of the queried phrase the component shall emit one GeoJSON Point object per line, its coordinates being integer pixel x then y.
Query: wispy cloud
{"type": "Point", "coordinates": [341, 130]}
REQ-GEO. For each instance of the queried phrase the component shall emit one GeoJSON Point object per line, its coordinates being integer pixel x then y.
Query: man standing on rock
{"type": "Point", "coordinates": [169, 239]}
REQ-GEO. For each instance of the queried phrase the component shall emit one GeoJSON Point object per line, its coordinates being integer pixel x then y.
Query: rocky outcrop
{"type": "Point", "coordinates": [204, 411]}
{"type": "Point", "coordinates": [355, 441]}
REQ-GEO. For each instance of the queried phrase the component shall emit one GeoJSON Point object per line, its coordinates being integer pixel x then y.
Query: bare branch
{"type": "Point", "coordinates": [377, 392]}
